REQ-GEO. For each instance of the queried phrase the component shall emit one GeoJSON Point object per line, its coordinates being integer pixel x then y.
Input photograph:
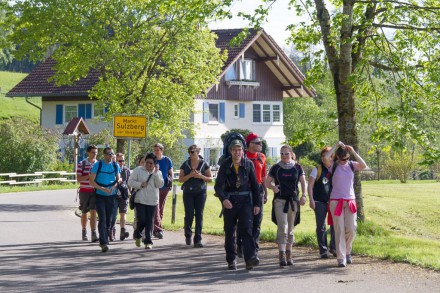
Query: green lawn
{"type": "Point", "coordinates": [11, 107]}
{"type": "Point", "coordinates": [402, 222]}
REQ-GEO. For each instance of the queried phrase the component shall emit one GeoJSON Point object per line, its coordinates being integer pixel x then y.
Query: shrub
{"type": "Point", "coordinates": [26, 147]}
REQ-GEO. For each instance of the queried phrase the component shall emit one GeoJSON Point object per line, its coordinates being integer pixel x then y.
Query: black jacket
{"type": "Point", "coordinates": [225, 182]}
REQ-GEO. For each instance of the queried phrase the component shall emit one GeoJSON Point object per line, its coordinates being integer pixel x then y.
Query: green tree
{"type": "Point", "coordinates": [153, 57]}
{"type": "Point", "coordinates": [396, 39]}
{"type": "Point", "coordinates": [26, 147]}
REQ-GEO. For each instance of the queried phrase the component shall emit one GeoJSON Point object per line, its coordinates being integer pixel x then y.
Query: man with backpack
{"type": "Point", "coordinates": [104, 177]}
{"type": "Point", "coordinates": [254, 146]}
{"type": "Point", "coordinates": [121, 200]}
{"type": "Point", "coordinates": [237, 188]}
{"type": "Point", "coordinates": [86, 193]}
{"type": "Point", "coordinates": [166, 168]}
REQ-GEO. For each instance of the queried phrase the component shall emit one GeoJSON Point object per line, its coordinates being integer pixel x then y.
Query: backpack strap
{"type": "Point", "coordinates": [115, 169]}
{"type": "Point", "coordinates": [319, 172]}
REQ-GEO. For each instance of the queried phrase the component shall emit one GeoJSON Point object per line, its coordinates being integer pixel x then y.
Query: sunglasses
{"type": "Point", "coordinates": [121, 161]}
{"type": "Point", "coordinates": [194, 152]}
{"type": "Point", "coordinates": [346, 159]}
{"type": "Point", "coordinates": [258, 143]}
{"type": "Point", "coordinates": [284, 154]}
{"type": "Point", "coordinates": [109, 154]}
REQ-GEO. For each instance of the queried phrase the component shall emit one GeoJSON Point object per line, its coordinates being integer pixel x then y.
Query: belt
{"type": "Point", "coordinates": [239, 193]}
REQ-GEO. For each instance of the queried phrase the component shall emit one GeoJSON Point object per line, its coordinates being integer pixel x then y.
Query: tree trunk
{"type": "Point", "coordinates": [348, 131]}
{"type": "Point", "coordinates": [120, 145]}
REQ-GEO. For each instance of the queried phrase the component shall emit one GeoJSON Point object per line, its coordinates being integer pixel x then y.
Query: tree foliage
{"type": "Point", "coordinates": [153, 56]}
{"type": "Point", "coordinates": [396, 39]}
{"type": "Point", "coordinates": [26, 147]}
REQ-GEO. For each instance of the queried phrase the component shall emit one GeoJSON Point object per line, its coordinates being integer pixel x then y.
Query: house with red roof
{"type": "Point", "coordinates": [255, 79]}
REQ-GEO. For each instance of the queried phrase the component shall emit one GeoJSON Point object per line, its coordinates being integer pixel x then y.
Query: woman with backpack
{"type": "Point", "coordinates": [194, 173]}
{"type": "Point", "coordinates": [285, 210]}
{"type": "Point", "coordinates": [319, 188]}
{"type": "Point", "coordinates": [342, 199]}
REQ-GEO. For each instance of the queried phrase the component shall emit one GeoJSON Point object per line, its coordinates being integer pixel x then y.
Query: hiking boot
{"type": "Point", "coordinates": [252, 262]}
{"type": "Point", "coordinates": [333, 252]}
{"type": "Point", "coordinates": [188, 240]}
{"type": "Point", "coordinates": [124, 234]}
{"type": "Point", "coordinates": [112, 234]}
{"type": "Point", "coordinates": [232, 266]}
{"type": "Point", "coordinates": [198, 244]}
{"type": "Point", "coordinates": [239, 251]}
{"type": "Point", "coordinates": [137, 241]}
{"type": "Point", "coordinates": [94, 236]}
{"type": "Point", "coordinates": [149, 246]}
{"type": "Point", "coordinates": [324, 255]}
{"type": "Point", "coordinates": [282, 258]}
{"type": "Point", "coordinates": [159, 234]}
{"type": "Point", "coordinates": [348, 259]}
{"type": "Point", "coordinates": [84, 235]}
{"type": "Point", "coordinates": [104, 248]}
{"type": "Point", "coordinates": [289, 258]}
{"type": "Point", "coordinates": [342, 263]}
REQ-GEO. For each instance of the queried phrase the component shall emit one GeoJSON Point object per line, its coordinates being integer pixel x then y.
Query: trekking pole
{"type": "Point", "coordinates": [173, 213]}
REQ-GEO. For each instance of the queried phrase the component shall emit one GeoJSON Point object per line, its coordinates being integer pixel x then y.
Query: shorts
{"type": "Point", "coordinates": [122, 205]}
{"type": "Point", "coordinates": [87, 201]}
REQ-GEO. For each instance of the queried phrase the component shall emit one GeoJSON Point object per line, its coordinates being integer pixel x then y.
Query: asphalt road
{"type": "Point", "coordinates": [41, 251]}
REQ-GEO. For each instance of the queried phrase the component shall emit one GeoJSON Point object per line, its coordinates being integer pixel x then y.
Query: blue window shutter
{"type": "Point", "coordinates": [82, 111]}
{"type": "Point", "coordinates": [88, 111]}
{"type": "Point", "coordinates": [59, 114]}
{"type": "Point", "coordinates": [205, 112]}
{"type": "Point", "coordinates": [241, 106]}
{"type": "Point", "coordinates": [222, 112]}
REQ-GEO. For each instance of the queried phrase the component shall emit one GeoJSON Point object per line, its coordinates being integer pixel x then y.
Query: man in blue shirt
{"type": "Point", "coordinates": [104, 178]}
{"type": "Point", "coordinates": [166, 167]}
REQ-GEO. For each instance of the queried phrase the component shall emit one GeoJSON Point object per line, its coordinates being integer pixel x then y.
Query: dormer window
{"type": "Point", "coordinates": [243, 69]}
{"type": "Point", "coordinates": [246, 69]}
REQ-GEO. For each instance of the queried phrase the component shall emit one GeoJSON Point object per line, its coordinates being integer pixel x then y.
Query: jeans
{"type": "Point", "coordinates": [239, 218]}
{"type": "Point", "coordinates": [194, 205]}
{"type": "Point", "coordinates": [104, 207]}
{"type": "Point", "coordinates": [163, 193]}
{"type": "Point", "coordinates": [144, 218]}
{"type": "Point", "coordinates": [321, 228]}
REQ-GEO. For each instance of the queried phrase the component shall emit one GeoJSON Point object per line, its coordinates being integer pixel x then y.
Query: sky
{"type": "Point", "coordinates": [279, 18]}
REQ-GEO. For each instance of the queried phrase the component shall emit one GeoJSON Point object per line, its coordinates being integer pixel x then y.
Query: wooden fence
{"type": "Point", "coordinates": [37, 177]}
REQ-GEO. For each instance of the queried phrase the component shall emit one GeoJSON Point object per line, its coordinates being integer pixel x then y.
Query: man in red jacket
{"type": "Point", "coordinates": [254, 153]}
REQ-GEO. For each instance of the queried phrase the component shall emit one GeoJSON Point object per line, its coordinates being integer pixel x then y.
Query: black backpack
{"type": "Point", "coordinates": [228, 139]}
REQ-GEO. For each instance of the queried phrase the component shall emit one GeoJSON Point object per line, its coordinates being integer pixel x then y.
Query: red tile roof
{"type": "Point", "coordinates": [36, 83]}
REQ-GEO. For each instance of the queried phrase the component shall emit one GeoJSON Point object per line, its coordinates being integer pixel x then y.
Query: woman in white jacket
{"type": "Point", "coordinates": [146, 180]}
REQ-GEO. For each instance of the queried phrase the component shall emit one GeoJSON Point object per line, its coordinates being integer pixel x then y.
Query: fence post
{"type": "Point", "coordinates": [173, 213]}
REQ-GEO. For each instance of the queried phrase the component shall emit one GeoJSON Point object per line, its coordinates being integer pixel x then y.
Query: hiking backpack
{"type": "Point", "coordinates": [228, 139]}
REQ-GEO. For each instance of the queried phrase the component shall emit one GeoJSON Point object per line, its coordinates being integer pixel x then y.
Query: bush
{"type": "Point", "coordinates": [25, 147]}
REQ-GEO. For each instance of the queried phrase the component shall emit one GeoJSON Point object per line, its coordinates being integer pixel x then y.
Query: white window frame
{"type": "Point", "coordinates": [236, 111]}
{"type": "Point", "coordinates": [209, 113]}
{"type": "Point", "coordinates": [271, 110]}
{"type": "Point", "coordinates": [250, 63]}
{"type": "Point", "coordinates": [65, 120]}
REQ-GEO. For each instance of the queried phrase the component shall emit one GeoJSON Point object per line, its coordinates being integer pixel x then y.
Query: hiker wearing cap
{"type": "Point", "coordinates": [104, 177]}
{"type": "Point", "coordinates": [254, 145]}
{"type": "Point", "coordinates": [237, 188]}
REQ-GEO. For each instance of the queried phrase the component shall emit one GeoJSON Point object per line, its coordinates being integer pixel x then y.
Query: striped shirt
{"type": "Point", "coordinates": [84, 186]}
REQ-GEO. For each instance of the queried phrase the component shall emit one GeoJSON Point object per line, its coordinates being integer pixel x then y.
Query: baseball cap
{"type": "Point", "coordinates": [252, 137]}
{"type": "Point", "coordinates": [234, 143]}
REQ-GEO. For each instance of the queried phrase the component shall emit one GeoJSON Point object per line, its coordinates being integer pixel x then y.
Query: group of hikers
{"type": "Point", "coordinates": [241, 184]}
